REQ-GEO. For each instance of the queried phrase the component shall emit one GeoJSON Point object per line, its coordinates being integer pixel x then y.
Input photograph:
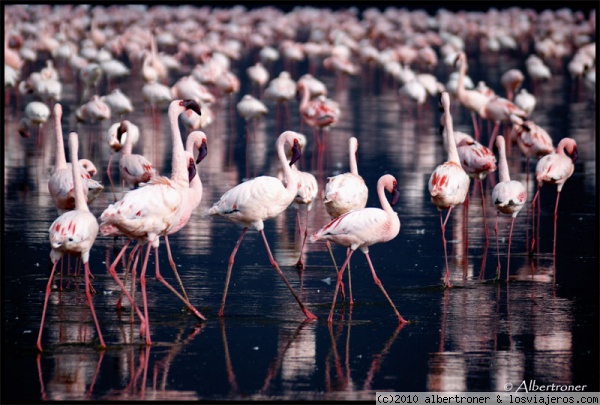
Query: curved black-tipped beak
{"type": "Point", "coordinates": [296, 152]}
{"type": "Point", "coordinates": [202, 152]}
{"type": "Point", "coordinates": [191, 170]}
{"type": "Point", "coordinates": [192, 105]}
{"type": "Point", "coordinates": [456, 59]}
{"type": "Point", "coordinates": [120, 131]}
{"type": "Point", "coordinates": [574, 155]}
{"type": "Point", "coordinates": [395, 194]}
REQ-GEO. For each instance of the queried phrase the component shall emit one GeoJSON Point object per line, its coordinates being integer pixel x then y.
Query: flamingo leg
{"type": "Point", "coordinates": [480, 181]}
{"type": "Point", "coordinates": [336, 269]}
{"type": "Point", "coordinates": [443, 224]}
{"type": "Point", "coordinates": [512, 223]}
{"type": "Point", "coordinates": [144, 295]}
{"type": "Point", "coordinates": [173, 290]}
{"type": "Point", "coordinates": [306, 312]}
{"type": "Point", "coordinates": [172, 263]}
{"type": "Point", "coordinates": [303, 235]}
{"type": "Point", "coordinates": [112, 187]}
{"type": "Point", "coordinates": [131, 256]}
{"type": "Point", "coordinates": [350, 283]}
{"type": "Point", "coordinates": [497, 247]}
{"type": "Point", "coordinates": [555, 220]}
{"type": "Point", "coordinates": [113, 273]}
{"type": "Point", "coordinates": [493, 136]}
{"type": "Point", "coordinates": [533, 221]}
{"type": "Point", "coordinates": [380, 285]}
{"type": "Point", "coordinates": [338, 283]}
{"type": "Point", "coordinates": [230, 266]}
{"type": "Point", "coordinates": [88, 294]}
{"type": "Point", "coordinates": [48, 290]}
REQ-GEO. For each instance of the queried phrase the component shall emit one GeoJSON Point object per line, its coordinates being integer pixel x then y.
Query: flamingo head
{"type": "Point", "coordinates": [395, 193]}
{"type": "Point", "coordinates": [121, 131]}
{"type": "Point", "coordinates": [191, 169]}
{"type": "Point", "coordinates": [202, 151]}
{"type": "Point", "coordinates": [571, 151]}
{"type": "Point", "coordinates": [191, 105]}
{"type": "Point", "coordinates": [296, 152]}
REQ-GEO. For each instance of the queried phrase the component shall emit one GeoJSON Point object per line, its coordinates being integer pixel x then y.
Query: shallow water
{"type": "Point", "coordinates": [477, 336]}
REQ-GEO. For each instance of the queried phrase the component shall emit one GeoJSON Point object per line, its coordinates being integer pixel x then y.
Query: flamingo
{"type": "Point", "coordinates": [345, 192]}
{"type": "Point", "coordinates": [118, 102]}
{"type": "Point", "coordinates": [250, 203]}
{"type": "Point", "coordinates": [472, 100]}
{"type": "Point", "coordinates": [556, 168]}
{"type": "Point", "coordinates": [148, 212]}
{"type": "Point", "coordinates": [477, 161]}
{"type": "Point", "coordinates": [60, 183]}
{"type": "Point", "coordinates": [36, 113]}
{"type": "Point", "coordinates": [258, 75]}
{"type": "Point", "coordinates": [73, 233]}
{"type": "Point", "coordinates": [281, 90]}
{"type": "Point", "coordinates": [509, 196]}
{"type": "Point", "coordinates": [525, 101]}
{"type": "Point", "coordinates": [133, 168]}
{"type": "Point", "coordinates": [92, 111]}
{"type": "Point", "coordinates": [512, 80]}
{"type": "Point", "coordinates": [499, 109]}
{"type": "Point", "coordinates": [362, 228]}
{"type": "Point", "coordinates": [449, 183]}
{"type": "Point", "coordinates": [308, 189]}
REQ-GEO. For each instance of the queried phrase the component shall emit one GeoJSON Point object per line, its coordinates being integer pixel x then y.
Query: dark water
{"type": "Point", "coordinates": [477, 336]}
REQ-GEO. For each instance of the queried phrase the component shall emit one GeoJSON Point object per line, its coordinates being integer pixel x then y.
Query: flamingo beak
{"type": "Point", "coordinates": [202, 152]}
{"type": "Point", "coordinates": [192, 105]}
{"type": "Point", "coordinates": [395, 194]}
{"type": "Point", "coordinates": [574, 155]}
{"type": "Point", "coordinates": [296, 152]}
{"type": "Point", "coordinates": [120, 131]}
{"type": "Point", "coordinates": [191, 170]}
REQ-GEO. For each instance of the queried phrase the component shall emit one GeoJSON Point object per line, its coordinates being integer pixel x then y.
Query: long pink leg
{"type": "Point", "coordinates": [534, 222]}
{"type": "Point", "coordinates": [306, 312]}
{"type": "Point", "coordinates": [497, 247]}
{"type": "Point", "coordinates": [48, 290]}
{"type": "Point", "coordinates": [338, 283]}
{"type": "Point", "coordinates": [476, 128]}
{"type": "Point", "coordinates": [113, 273]}
{"type": "Point", "coordinates": [129, 266]}
{"type": "Point", "coordinates": [144, 295]}
{"type": "Point", "coordinates": [230, 266]}
{"type": "Point", "coordinates": [380, 285]}
{"type": "Point", "coordinates": [112, 187]}
{"type": "Point", "coordinates": [351, 302]}
{"type": "Point", "coordinates": [88, 294]}
{"type": "Point", "coordinates": [493, 136]}
{"type": "Point", "coordinates": [303, 235]}
{"type": "Point", "coordinates": [336, 269]}
{"type": "Point", "coordinates": [512, 223]}
{"type": "Point", "coordinates": [555, 220]}
{"type": "Point", "coordinates": [172, 263]}
{"type": "Point", "coordinates": [443, 224]}
{"type": "Point", "coordinates": [173, 290]}
{"type": "Point", "coordinates": [483, 208]}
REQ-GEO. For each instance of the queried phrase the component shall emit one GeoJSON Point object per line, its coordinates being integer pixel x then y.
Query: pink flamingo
{"type": "Point", "coordinates": [477, 161]}
{"type": "Point", "coordinates": [147, 213]}
{"type": "Point", "coordinates": [362, 228]}
{"type": "Point", "coordinates": [555, 168]}
{"type": "Point", "coordinates": [512, 80]}
{"type": "Point", "coordinates": [60, 183]}
{"type": "Point", "coordinates": [133, 168]}
{"type": "Point", "coordinates": [250, 203]}
{"type": "Point", "coordinates": [345, 192]}
{"type": "Point", "coordinates": [499, 109]}
{"type": "Point", "coordinates": [472, 100]}
{"type": "Point", "coordinates": [281, 90]}
{"type": "Point", "coordinates": [449, 183]}
{"type": "Point", "coordinates": [73, 233]}
{"type": "Point", "coordinates": [509, 197]}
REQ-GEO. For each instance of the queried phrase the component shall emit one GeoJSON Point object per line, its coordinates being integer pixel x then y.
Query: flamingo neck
{"type": "Point", "coordinates": [385, 204]}
{"type": "Point", "coordinates": [353, 164]}
{"type": "Point", "coordinates": [80, 203]}
{"type": "Point", "coordinates": [503, 173]}
{"type": "Point", "coordinates": [460, 88]}
{"type": "Point", "coordinates": [291, 177]}
{"type": "Point", "coordinates": [305, 97]}
{"type": "Point", "coordinates": [449, 137]}
{"type": "Point", "coordinates": [61, 160]}
{"type": "Point", "coordinates": [178, 163]}
{"type": "Point", "coordinates": [128, 147]}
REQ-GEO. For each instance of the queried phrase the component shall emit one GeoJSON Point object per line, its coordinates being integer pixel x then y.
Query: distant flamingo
{"type": "Point", "coordinates": [472, 100]}
{"type": "Point", "coordinates": [258, 75]}
{"type": "Point", "coordinates": [362, 228]}
{"type": "Point", "coordinates": [449, 183]}
{"type": "Point", "coordinates": [512, 80]}
{"type": "Point", "coordinates": [345, 192]}
{"type": "Point", "coordinates": [525, 101]}
{"type": "Point", "coordinates": [499, 110]}
{"type": "Point", "coordinates": [92, 111]}
{"type": "Point", "coordinates": [115, 144]}
{"type": "Point", "coordinates": [74, 233]}
{"type": "Point", "coordinates": [133, 168]}
{"type": "Point", "coordinates": [60, 183]}
{"type": "Point", "coordinates": [509, 197]}
{"type": "Point", "coordinates": [555, 168]}
{"type": "Point", "coordinates": [147, 213]}
{"type": "Point", "coordinates": [532, 140]}
{"type": "Point", "coordinates": [118, 103]}
{"type": "Point", "coordinates": [264, 197]}
{"type": "Point", "coordinates": [281, 90]}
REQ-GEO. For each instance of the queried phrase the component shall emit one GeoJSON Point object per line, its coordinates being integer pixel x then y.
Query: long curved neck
{"type": "Point", "coordinates": [80, 203]}
{"type": "Point", "coordinates": [61, 160]}
{"type": "Point", "coordinates": [449, 137]}
{"type": "Point", "coordinates": [128, 147]}
{"type": "Point", "coordinates": [353, 164]}
{"type": "Point", "coordinates": [385, 204]}
{"type": "Point", "coordinates": [460, 88]}
{"type": "Point", "coordinates": [291, 177]}
{"type": "Point", "coordinates": [305, 96]}
{"type": "Point", "coordinates": [503, 173]}
{"type": "Point", "coordinates": [178, 164]}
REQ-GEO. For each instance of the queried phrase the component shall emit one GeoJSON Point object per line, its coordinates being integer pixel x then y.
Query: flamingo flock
{"type": "Point", "coordinates": [207, 61]}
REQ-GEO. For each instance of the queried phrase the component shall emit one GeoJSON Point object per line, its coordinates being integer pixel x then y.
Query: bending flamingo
{"type": "Point", "coordinates": [73, 233]}
{"type": "Point", "coordinates": [362, 228]}
{"type": "Point", "coordinates": [555, 168]}
{"type": "Point", "coordinates": [345, 192]}
{"type": "Point", "coordinates": [449, 183]}
{"type": "Point", "coordinates": [133, 168]}
{"type": "Point", "coordinates": [252, 202]}
{"type": "Point", "coordinates": [147, 213]}
{"type": "Point", "coordinates": [509, 197]}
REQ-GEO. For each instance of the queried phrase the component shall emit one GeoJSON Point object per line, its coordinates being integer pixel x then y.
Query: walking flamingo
{"type": "Point", "coordinates": [449, 183]}
{"type": "Point", "coordinates": [362, 228]}
{"type": "Point", "coordinates": [147, 213]}
{"type": "Point", "coordinates": [555, 168]}
{"type": "Point", "coordinates": [250, 203]}
{"type": "Point", "coordinates": [345, 192]}
{"type": "Point", "coordinates": [509, 197]}
{"type": "Point", "coordinates": [73, 233]}
{"type": "Point", "coordinates": [60, 183]}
